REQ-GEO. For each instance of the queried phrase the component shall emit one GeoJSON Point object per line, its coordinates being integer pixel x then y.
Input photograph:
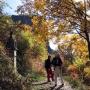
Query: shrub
{"type": "Point", "coordinates": [72, 68]}
{"type": "Point", "coordinates": [87, 75]}
{"type": "Point", "coordinates": [87, 72]}
{"type": "Point", "coordinates": [79, 63]}
{"type": "Point", "coordinates": [73, 83]}
{"type": "Point", "coordinates": [8, 79]}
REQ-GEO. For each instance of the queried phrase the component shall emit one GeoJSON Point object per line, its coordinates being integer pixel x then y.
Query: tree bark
{"type": "Point", "coordinates": [85, 30]}
{"type": "Point", "coordinates": [89, 49]}
{"type": "Point", "coordinates": [88, 42]}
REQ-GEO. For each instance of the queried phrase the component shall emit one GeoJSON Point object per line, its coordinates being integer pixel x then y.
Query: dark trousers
{"type": "Point", "coordinates": [50, 74]}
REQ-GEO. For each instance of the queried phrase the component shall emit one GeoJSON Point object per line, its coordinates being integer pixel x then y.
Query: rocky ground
{"type": "Point", "coordinates": [43, 85]}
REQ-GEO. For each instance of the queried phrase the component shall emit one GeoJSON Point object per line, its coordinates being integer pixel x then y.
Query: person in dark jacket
{"type": "Point", "coordinates": [57, 64]}
{"type": "Point", "coordinates": [48, 69]}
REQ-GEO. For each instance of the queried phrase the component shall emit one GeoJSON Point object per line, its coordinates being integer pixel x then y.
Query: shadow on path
{"type": "Point", "coordinates": [52, 88]}
{"type": "Point", "coordinates": [40, 83]}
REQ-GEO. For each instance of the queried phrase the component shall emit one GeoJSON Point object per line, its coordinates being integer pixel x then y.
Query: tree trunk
{"type": "Point", "coordinates": [85, 30]}
{"type": "Point", "coordinates": [88, 43]}
{"type": "Point", "coordinates": [89, 49]}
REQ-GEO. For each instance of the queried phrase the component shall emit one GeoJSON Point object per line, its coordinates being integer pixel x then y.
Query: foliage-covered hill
{"type": "Point", "coordinates": [8, 79]}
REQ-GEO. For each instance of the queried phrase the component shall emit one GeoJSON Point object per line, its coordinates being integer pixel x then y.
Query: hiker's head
{"type": "Point", "coordinates": [49, 57]}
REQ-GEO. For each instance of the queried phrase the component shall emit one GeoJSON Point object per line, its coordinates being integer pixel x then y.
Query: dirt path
{"type": "Point", "coordinates": [43, 85]}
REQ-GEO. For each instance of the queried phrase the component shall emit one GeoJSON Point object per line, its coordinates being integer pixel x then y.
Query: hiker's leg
{"type": "Point", "coordinates": [61, 75]}
{"type": "Point", "coordinates": [56, 75]}
{"type": "Point", "coordinates": [48, 75]}
{"type": "Point", "coordinates": [51, 74]}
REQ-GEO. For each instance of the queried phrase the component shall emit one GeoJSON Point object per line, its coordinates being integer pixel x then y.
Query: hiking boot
{"type": "Point", "coordinates": [61, 85]}
{"type": "Point", "coordinates": [48, 81]}
{"type": "Point", "coordinates": [55, 85]}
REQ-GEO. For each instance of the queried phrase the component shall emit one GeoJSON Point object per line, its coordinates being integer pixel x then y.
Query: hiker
{"type": "Point", "coordinates": [10, 47]}
{"type": "Point", "coordinates": [48, 69]}
{"type": "Point", "coordinates": [57, 64]}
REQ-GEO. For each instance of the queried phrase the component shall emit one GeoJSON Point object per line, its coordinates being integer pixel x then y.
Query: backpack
{"type": "Point", "coordinates": [57, 61]}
